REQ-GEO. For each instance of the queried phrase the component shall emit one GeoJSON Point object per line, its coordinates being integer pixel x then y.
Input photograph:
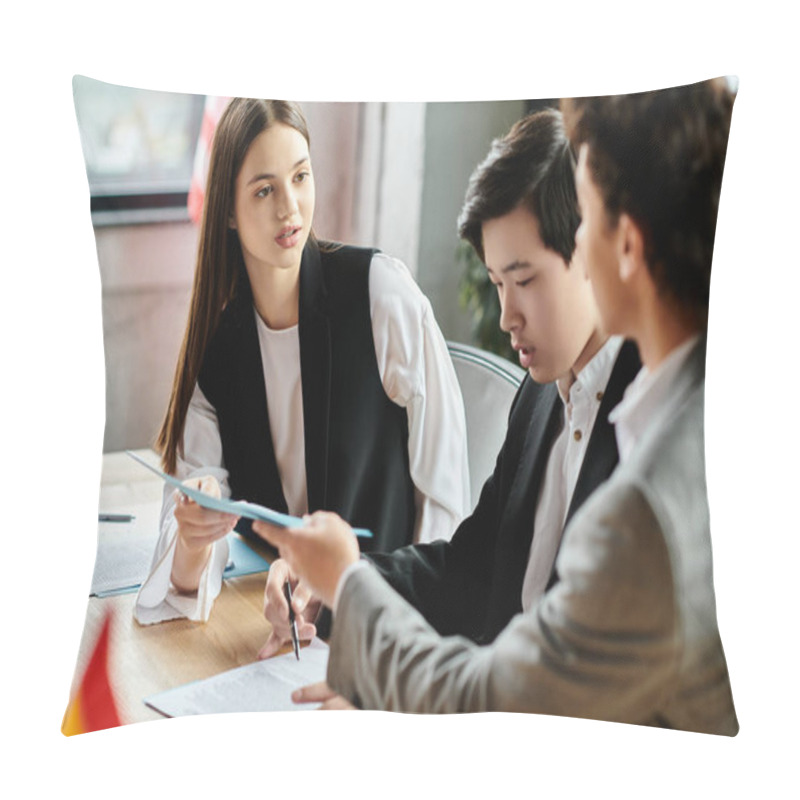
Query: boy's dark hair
{"type": "Point", "coordinates": [659, 157]}
{"type": "Point", "coordinates": [533, 164]}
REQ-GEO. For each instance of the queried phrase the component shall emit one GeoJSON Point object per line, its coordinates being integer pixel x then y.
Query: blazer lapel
{"type": "Point", "coordinates": [516, 525]}
{"type": "Point", "coordinates": [524, 493]}
{"type": "Point", "coordinates": [255, 412]}
{"type": "Point", "coordinates": [315, 373]}
{"type": "Point", "coordinates": [601, 455]}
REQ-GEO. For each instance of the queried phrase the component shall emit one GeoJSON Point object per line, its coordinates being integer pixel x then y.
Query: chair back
{"type": "Point", "coordinates": [488, 385]}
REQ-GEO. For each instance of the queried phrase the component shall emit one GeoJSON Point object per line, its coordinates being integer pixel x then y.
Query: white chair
{"type": "Point", "coordinates": [488, 385]}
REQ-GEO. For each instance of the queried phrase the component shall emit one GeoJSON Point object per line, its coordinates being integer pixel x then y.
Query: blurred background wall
{"type": "Point", "coordinates": [390, 175]}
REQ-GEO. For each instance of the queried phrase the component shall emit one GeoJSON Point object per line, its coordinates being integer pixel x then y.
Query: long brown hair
{"type": "Point", "coordinates": [219, 256]}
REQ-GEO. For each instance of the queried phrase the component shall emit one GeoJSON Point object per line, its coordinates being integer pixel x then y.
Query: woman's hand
{"type": "Point", "coordinates": [276, 610]}
{"type": "Point", "coordinates": [321, 693]}
{"type": "Point", "coordinates": [198, 529]}
{"type": "Point", "coordinates": [317, 553]}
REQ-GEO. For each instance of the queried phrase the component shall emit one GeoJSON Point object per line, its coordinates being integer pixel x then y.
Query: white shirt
{"type": "Point", "coordinates": [581, 404]}
{"type": "Point", "coordinates": [280, 361]}
{"type": "Point", "coordinates": [417, 374]}
{"type": "Point", "coordinates": [647, 395]}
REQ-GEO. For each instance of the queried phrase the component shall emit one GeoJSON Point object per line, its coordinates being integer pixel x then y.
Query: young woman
{"type": "Point", "coordinates": [311, 375]}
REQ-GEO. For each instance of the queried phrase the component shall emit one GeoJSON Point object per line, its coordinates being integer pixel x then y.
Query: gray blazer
{"type": "Point", "coordinates": [629, 634]}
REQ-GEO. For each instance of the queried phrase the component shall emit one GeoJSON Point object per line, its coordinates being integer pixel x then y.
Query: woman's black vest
{"type": "Point", "coordinates": [356, 438]}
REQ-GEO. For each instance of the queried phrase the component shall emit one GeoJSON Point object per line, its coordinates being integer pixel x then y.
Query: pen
{"type": "Point", "coordinates": [287, 590]}
{"type": "Point", "coordinates": [116, 517]}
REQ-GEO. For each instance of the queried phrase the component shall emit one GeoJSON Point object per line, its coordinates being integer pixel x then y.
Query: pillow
{"type": "Point", "coordinates": [146, 155]}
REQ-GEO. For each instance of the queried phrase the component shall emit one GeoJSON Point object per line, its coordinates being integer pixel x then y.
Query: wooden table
{"type": "Point", "coordinates": [146, 659]}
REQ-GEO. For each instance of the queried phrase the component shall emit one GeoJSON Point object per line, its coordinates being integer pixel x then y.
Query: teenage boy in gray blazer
{"type": "Point", "coordinates": [629, 632]}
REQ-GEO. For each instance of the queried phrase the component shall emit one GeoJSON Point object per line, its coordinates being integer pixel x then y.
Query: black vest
{"type": "Point", "coordinates": [356, 438]}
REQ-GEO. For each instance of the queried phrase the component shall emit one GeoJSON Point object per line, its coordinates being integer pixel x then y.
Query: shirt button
{"type": "Point", "coordinates": [578, 435]}
{"type": "Point", "coordinates": [599, 396]}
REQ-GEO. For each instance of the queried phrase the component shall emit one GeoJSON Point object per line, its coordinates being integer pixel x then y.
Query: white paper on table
{"type": "Point", "coordinates": [124, 552]}
{"type": "Point", "coordinates": [261, 686]}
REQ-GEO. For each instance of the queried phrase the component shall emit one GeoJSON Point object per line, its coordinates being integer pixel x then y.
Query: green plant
{"type": "Point", "coordinates": [477, 295]}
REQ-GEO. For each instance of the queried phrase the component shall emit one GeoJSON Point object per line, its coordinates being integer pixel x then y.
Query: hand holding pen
{"type": "Point", "coordinates": [276, 609]}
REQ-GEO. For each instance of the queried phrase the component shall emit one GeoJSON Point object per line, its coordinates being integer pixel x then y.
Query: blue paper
{"type": "Point", "coordinates": [241, 508]}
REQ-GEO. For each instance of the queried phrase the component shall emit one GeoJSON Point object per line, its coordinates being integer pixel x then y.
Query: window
{"type": "Point", "coordinates": [139, 148]}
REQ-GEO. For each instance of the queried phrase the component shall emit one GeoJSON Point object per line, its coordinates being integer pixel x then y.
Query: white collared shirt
{"type": "Point", "coordinates": [581, 404]}
{"type": "Point", "coordinates": [417, 374]}
{"type": "Point", "coordinates": [649, 392]}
